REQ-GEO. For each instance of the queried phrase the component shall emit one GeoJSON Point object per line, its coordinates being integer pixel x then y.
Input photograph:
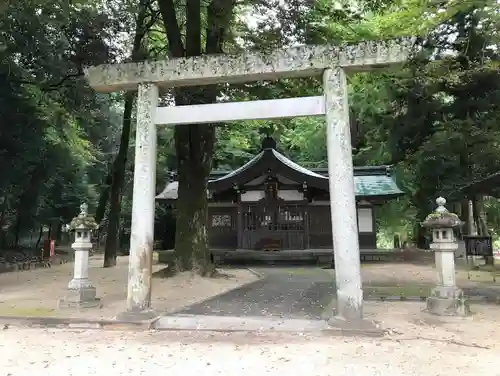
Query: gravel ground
{"type": "Point", "coordinates": [37, 292]}
{"type": "Point", "coordinates": [54, 352]}
{"type": "Point", "coordinates": [419, 344]}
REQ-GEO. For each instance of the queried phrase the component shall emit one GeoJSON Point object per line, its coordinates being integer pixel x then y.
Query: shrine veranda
{"type": "Point", "coordinates": [332, 62]}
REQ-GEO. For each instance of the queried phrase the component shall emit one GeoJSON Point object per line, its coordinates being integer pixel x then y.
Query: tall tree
{"type": "Point", "coordinates": [206, 30]}
{"type": "Point", "coordinates": [144, 20]}
{"type": "Point", "coordinates": [61, 127]}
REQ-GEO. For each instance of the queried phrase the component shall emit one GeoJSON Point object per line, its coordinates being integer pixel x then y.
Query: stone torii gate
{"type": "Point", "coordinates": [333, 62]}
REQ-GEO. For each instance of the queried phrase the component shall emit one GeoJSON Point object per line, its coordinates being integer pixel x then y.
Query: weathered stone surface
{"type": "Point", "coordinates": [334, 61]}
{"type": "Point", "coordinates": [237, 111]}
{"type": "Point", "coordinates": [366, 327]}
{"type": "Point", "coordinates": [441, 217]}
{"type": "Point", "coordinates": [446, 298]}
{"type": "Point", "coordinates": [138, 316]}
{"type": "Point", "coordinates": [81, 293]}
{"type": "Point", "coordinates": [448, 301]}
{"type": "Point", "coordinates": [143, 205]}
{"type": "Point", "coordinates": [84, 297]}
{"type": "Point", "coordinates": [342, 197]}
{"type": "Point", "coordinates": [260, 324]}
{"type": "Point", "coordinates": [299, 61]}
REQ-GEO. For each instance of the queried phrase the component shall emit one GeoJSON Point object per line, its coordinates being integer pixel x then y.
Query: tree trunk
{"type": "Point", "coordinates": [2, 219]}
{"type": "Point", "coordinates": [104, 197]}
{"type": "Point", "coordinates": [194, 143]}
{"type": "Point", "coordinates": [471, 229]}
{"type": "Point", "coordinates": [421, 240]}
{"type": "Point", "coordinates": [49, 233]}
{"type": "Point", "coordinates": [480, 220]}
{"type": "Point", "coordinates": [40, 235]}
{"type": "Point", "coordinates": [120, 164]}
{"type": "Point", "coordinates": [464, 215]}
{"type": "Point", "coordinates": [115, 197]}
{"type": "Point", "coordinates": [480, 216]}
{"type": "Point", "coordinates": [28, 201]}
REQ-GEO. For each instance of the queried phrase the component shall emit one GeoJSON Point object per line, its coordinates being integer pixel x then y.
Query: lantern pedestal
{"type": "Point", "coordinates": [446, 298]}
{"type": "Point", "coordinates": [80, 298]}
{"type": "Point", "coordinates": [81, 293]}
{"type": "Point", "coordinates": [447, 301]}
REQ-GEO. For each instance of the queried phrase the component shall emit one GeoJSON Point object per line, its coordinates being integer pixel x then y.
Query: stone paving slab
{"type": "Point", "coordinates": [260, 324]}
{"type": "Point", "coordinates": [198, 323]}
{"type": "Point", "coordinates": [70, 323]}
{"type": "Point", "coordinates": [231, 323]}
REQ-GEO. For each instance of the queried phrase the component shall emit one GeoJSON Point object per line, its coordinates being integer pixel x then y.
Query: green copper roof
{"type": "Point", "coordinates": [376, 185]}
{"type": "Point", "coordinates": [365, 186]}
{"type": "Point", "coordinates": [370, 181]}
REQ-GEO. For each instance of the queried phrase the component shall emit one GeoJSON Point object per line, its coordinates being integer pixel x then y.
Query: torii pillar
{"type": "Point", "coordinates": [333, 62]}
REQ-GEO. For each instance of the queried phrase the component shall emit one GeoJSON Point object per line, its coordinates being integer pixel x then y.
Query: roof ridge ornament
{"type": "Point", "coordinates": [441, 202]}
{"type": "Point", "coordinates": [268, 143]}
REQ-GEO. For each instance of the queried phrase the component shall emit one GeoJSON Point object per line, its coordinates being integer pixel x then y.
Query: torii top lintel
{"type": "Point", "coordinates": [302, 61]}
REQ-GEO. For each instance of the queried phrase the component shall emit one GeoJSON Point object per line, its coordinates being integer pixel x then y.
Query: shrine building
{"type": "Point", "coordinates": [271, 204]}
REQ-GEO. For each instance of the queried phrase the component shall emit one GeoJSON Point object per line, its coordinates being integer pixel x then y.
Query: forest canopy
{"type": "Point", "coordinates": [436, 120]}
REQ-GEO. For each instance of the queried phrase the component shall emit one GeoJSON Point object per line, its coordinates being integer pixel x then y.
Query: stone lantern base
{"type": "Point", "coordinates": [80, 298]}
{"type": "Point", "coordinates": [448, 301]}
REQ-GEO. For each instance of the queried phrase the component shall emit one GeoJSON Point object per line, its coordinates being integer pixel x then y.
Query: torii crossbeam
{"type": "Point", "coordinates": [332, 62]}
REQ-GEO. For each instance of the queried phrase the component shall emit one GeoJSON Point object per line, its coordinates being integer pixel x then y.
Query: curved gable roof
{"type": "Point", "coordinates": [266, 161]}
{"type": "Point", "coordinates": [370, 181]}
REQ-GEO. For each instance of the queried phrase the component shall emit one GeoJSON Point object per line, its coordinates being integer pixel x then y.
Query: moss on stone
{"type": "Point", "coordinates": [211, 69]}
{"type": "Point", "coordinates": [442, 220]}
{"type": "Point", "coordinates": [87, 222]}
{"type": "Point", "coordinates": [441, 215]}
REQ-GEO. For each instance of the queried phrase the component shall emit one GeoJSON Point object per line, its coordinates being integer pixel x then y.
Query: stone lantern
{"type": "Point", "coordinates": [446, 298]}
{"type": "Point", "coordinates": [81, 293]}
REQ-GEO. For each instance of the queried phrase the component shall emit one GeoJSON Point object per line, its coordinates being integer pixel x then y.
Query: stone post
{"type": "Point", "coordinates": [143, 207]}
{"type": "Point", "coordinates": [81, 293]}
{"type": "Point", "coordinates": [342, 198]}
{"type": "Point", "coordinates": [446, 298]}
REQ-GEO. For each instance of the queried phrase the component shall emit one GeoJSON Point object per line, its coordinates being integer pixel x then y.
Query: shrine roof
{"type": "Point", "coordinates": [370, 181]}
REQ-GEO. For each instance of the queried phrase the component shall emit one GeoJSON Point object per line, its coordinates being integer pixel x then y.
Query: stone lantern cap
{"type": "Point", "coordinates": [83, 220]}
{"type": "Point", "coordinates": [441, 217]}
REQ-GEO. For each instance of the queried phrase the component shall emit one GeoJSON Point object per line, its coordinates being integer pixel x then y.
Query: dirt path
{"type": "Point", "coordinates": [37, 292]}
{"type": "Point", "coordinates": [297, 293]}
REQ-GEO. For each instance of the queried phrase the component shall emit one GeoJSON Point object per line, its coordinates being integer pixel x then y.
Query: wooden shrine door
{"type": "Point", "coordinates": [273, 225]}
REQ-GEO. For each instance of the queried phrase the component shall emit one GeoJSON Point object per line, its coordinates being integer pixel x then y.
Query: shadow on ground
{"type": "Point", "coordinates": [299, 293]}
{"type": "Point", "coordinates": [303, 292]}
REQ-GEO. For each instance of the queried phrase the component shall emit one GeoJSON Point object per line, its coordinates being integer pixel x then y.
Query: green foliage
{"type": "Point", "coordinates": [56, 133]}
{"type": "Point", "coordinates": [436, 120]}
